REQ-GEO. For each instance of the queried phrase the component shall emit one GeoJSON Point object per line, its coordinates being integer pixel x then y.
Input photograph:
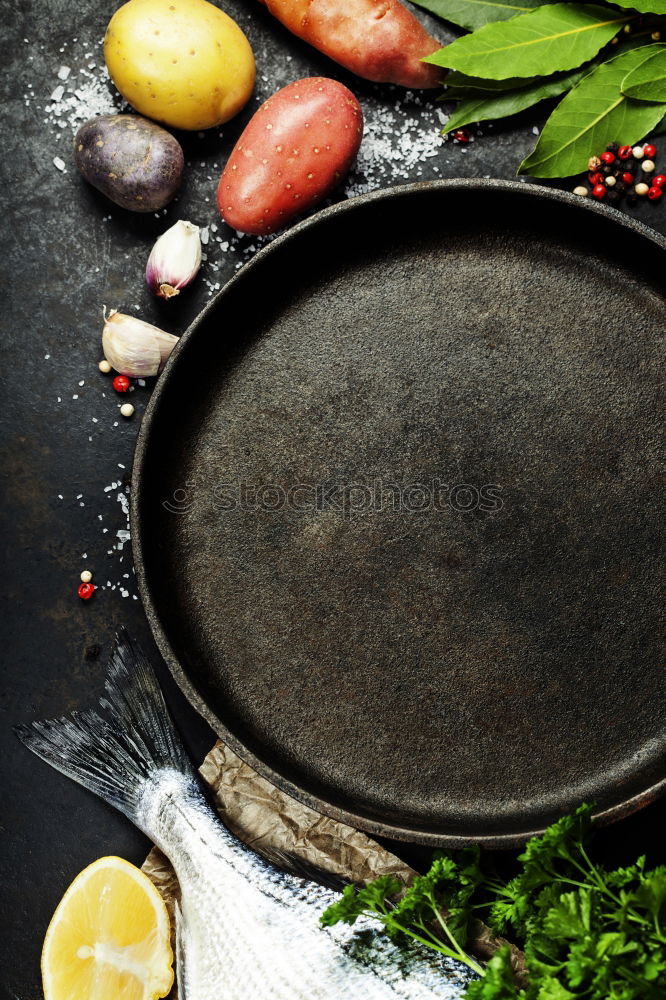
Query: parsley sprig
{"type": "Point", "coordinates": [587, 933]}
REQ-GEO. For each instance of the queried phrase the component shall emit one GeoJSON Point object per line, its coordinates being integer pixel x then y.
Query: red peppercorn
{"type": "Point", "coordinates": [461, 135]}
{"type": "Point", "coordinates": [628, 178]}
{"type": "Point", "coordinates": [599, 191]}
{"type": "Point", "coordinates": [121, 383]}
{"type": "Point", "coordinates": [649, 150]}
{"type": "Point", "coordinates": [86, 590]}
{"type": "Point", "coordinates": [595, 178]}
{"type": "Point", "coordinates": [655, 193]}
{"type": "Point", "coordinates": [659, 180]}
{"type": "Point", "coordinates": [607, 157]}
{"type": "Point", "coordinates": [624, 152]}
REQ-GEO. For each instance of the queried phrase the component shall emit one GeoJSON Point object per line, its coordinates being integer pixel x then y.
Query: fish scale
{"type": "Point", "coordinates": [245, 930]}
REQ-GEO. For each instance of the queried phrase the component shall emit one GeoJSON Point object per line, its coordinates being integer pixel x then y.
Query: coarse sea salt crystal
{"type": "Point", "coordinates": [57, 93]}
{"type": "Point", "coordinates": [64, 72]}
{"type": "Point", "coordinates": [59, 165]}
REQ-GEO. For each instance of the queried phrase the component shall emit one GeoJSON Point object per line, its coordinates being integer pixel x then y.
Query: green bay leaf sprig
{"type": "Point", "coordinates": [522, 52]}
{"type": "Point", "coordinates": [592, 111]}
{"type": "Point", "coordinates": [475, 13]}
{"type": "Point", "coordinates": [647, 81]}
{"type": "Point", "coordinates": [556, 37]}
{"type": "Point", "coordinates": [475, 107]}
{"type": "Point", "coordinates": [644, 6]}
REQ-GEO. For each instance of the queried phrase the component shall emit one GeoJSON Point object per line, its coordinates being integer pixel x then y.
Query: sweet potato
{"type": "Point", "coordinates": [379, 40]}
{"type": "Point", "coordinates": [295, 149]}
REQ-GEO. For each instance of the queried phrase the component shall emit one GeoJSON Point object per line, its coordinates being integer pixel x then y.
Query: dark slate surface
{"type": "Point", "coordinates": [68, 251]}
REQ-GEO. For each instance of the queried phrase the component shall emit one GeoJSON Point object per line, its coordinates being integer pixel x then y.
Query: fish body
{"type": "Point", "coordinates": [245, 930]}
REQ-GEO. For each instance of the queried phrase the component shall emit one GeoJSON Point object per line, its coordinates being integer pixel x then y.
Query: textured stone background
{"type": "Point", "coordinates": [67, 251]}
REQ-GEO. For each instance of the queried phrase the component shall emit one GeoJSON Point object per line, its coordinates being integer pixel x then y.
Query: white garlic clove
{"type": "Point", "coordinates": [134, 347]}
{"type": "Point", "coordinates": [174, 260]}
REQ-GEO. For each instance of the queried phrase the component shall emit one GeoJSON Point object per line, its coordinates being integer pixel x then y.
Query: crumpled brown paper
{"type": "Point", "coordinates": [267, 819]}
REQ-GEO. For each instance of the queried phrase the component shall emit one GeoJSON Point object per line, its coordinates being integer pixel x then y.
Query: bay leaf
{"type": "Point", "coordinates": [647, 82]}
{"type": "Point", "coordinates": [594, 113]}
{"type": "Point", "coordinates": [556, 37]}
{"type": "Point", "coordinates": [644, 6]}
{"type": "Point", "coordinates": [465, 82]}
{"type": "Point", "coordinates": [473, 14]}
{"type": "Point", "coordinates": [484, 107]}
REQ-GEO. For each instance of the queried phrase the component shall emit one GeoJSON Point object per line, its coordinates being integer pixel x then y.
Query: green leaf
{"type": "Point", "coordinates": [552, 989]}
{"type": "Point", "coordinates": [647, 82]}
{"type": "Point", "coordinates": [556, 37]}
{"type": "Point", "coordinates": [570, 918]}
{"type": "Point", "coordinates": [591, 115]}
{"type": "Point", "coordinates": [498, 982]}
{"type": "Point", "coordinates": [645, 6]}
{"type": "Point", "coordinates": [482, 107]}
{"type": "Point", "coordinates": [355, 902]}
{"type": "Point", "coordinates": [464, 82]}
{"type": "Point", "coordinates": [475, 13]}
{"type": "Point", "coordinates": [651, 893]}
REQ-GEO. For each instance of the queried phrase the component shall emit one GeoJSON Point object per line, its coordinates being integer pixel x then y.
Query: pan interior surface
{"type": "Point", "coordinates": [398, 525]}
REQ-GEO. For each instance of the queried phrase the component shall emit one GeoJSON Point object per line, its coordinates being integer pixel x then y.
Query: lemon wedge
{"type": "Point", "coordinates": [108, 938]}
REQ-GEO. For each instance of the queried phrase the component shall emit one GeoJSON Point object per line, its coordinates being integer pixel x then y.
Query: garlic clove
{"type": "Point", "coordinates": [134, 347]}
{"type": "Point", "coordinates": [174, 260]}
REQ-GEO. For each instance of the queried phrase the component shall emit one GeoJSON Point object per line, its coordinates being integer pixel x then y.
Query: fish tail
{"type": "Point", "coordinates": [113, 751]}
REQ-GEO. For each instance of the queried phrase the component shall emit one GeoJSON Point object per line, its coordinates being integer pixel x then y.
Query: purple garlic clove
{"type": "Point", "coordinates": [174, 260]}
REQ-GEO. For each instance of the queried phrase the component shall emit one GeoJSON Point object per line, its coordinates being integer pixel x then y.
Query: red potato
{"type": "Point", "coordinates": [379, 40]}
{"type": "Point", "coordinates": [295, 149]}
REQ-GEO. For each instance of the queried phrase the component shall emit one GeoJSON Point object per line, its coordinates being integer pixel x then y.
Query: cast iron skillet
{"type": "Point", "coordinates": [396, 513]}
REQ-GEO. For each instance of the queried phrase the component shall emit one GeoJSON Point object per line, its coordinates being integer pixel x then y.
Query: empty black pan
{"type": "Point", "coordinates": [396, 511]}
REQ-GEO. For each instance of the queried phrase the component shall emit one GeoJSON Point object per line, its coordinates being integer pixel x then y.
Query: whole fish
{"type": "Point", "coordinates": [244, 929]}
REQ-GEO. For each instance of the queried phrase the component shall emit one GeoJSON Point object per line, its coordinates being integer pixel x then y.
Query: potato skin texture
{"type": "Point", "coordinates": [296, 148]}
{"type": "Point", "coordinates": [182, 62]}
{"type": "Point", "coordinates": [134, 162]}
{"type": "Point", "coordinates": [379, 40]}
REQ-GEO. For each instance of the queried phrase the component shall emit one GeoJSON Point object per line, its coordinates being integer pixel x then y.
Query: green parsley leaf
{"type": "Point", "coordinates": [356, 902]}
{"type": "Point", "coordinates": [498, 982]}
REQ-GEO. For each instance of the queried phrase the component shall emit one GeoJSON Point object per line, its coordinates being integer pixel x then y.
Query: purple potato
{"type": "Point", "coordinates": [134, 162]}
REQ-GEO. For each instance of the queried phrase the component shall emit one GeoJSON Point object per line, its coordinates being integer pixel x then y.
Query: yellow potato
{"type": "Point", "coordinates": [182, 62]}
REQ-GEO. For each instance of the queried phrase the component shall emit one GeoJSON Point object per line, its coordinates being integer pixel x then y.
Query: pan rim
{"type": "Point", "coordinates": [384, 828]}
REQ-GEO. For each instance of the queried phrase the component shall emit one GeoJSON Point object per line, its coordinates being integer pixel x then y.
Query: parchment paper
{"type": "Point", "coordinates": [265, 818]}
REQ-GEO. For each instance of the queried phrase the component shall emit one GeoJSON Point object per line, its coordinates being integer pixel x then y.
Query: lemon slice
{"type": "Point", "coordinates": [108, 938]}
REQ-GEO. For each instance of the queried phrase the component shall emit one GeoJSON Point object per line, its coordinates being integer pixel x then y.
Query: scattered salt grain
{"type": "Point", "coordinates": [123, 536]}
{"type": "Point", "coordinates": [64, 72]}
{"type": "Point", "coordinates": [57, 93]}
{"type": "Point", "coordinates": [59, 164]}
